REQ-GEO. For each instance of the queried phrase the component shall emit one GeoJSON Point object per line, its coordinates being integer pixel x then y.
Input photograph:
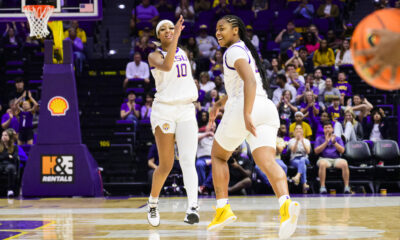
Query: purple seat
{"type": "Point", "coordinates": [276, 5]}
{"type": "Point", "coordinates": [284, 16]}
{"type": "Point", "coordinates": [15, 72]}
{"type": "Point", "coordinates": [167, 15]}
{"type": "Point", "coordinates": [272, 46]}
{"type": "Point", "coordinates": [143, 25]}
{"type": "Point", "coordinates": [135, 90]}
{"type": "Point", "coordinates": [301, 22]}
{"type": "Point", "coordinates": [293, 5]}
{"type": "Point", "coordinates": [14, 63]}
{"type": "Point", "coordinates": [263, 20]}
{"type": "Point", "coordinates": [246, 15]}
{"type": "Point", "coordinates": [322, 24]}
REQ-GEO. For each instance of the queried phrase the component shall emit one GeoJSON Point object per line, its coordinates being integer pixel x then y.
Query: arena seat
{"type": "Point", "coordinates": [361, 164]}
{"type": "Point", "coordinates": [388, 152]}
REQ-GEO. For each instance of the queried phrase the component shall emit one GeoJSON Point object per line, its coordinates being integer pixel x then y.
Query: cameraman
{"type": "Point", "coordinates": [240, 172]}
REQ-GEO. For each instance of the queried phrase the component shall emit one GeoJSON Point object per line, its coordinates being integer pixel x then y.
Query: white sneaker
{"type": "Point", "coordinates": [10, 194]}
{"type": "Point", "coordinates": [192, 215]}
{"type": "Point", "coordinates": [153, 215]}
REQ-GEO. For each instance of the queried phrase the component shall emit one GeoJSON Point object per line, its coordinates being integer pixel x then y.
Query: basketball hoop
{"type": "Point", "coordinates": [38, 16]}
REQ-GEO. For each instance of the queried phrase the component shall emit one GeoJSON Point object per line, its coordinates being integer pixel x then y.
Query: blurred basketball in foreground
{"type": "Point", "coordinates": [375, 48]}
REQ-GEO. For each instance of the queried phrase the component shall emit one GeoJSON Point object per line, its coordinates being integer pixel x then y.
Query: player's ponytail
{"type": "Point", "coordinates": [235, 21]}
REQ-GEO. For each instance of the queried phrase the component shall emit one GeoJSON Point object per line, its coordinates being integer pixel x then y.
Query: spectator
{"type": "Point", "coordinates": [203, 162]}
{"type": "Point", "coordinates": [145, 111]}
{"type": "Point", "coordinates": [324, 56]}
{"type": "Point", "coordinates": [130, 110]}
{"type": "Point", "coordinates": [202, 120]}
{"type": "Point", "coordinates": [309, 86]}
{"type": "Point", "coordinates": [219, 86]}
{"type": "Point", "coordinates": [296, 80]}
{"type": "Point", "coordinates": [259, 5]}
{"type": "Point", "coordinates": [311, 43]}
{"type": "Point", "coordinates": [348, 30]}
{"type": "Point", "coordinates": [240, 172]}
{"type": "Point", "coordinates": [299, 150]}
{"type": "Point", "coordinates": [211, 99]}
{"type": "Point", "coordinates": [201, 6]}
{"type": "Point", "coordinates": [217, 64]}
{"type": "Point", "coordinates": [193, 64]}
{"type": "Point", "coordinates": [397, 4]}
{"type": "Point", "coordinates": [205, 84]}
{"type": "Point", "coordinates": [77, 46]}
{"type": "Point", "coordinates": [328, 10]}
{"type": "Point", "coordinates": [152, 162]}
{"type": "Point", "coordinates": [206, 44]}
{"type": "Point", "coordinates": [283, 133]}
{"type": "Point", "coordinates": [274, 70]}
{"type": "Point", "coordinates": [253, 37]}
{"type": "Point", "coordinates": [145, 13]}
{"type": "Point", "coordinates": [10, 36]}
{"type": "Point", "coordinates": [360, 106]}
{"type": "Point", "coordinates": [137, 69]}
{"type": "Point", "coordinates": [222, 9]}
{"type": "Point", "coordinates": [333, 41]}
{"type": "Point", "coordinates": [314, 30]}
{"type": "Point", "coordinates": [144, 46]}
{"type": "Point", "coordinates": [318, 81]}
{"type": "Point", "coordinates": [309, 107]}
{"type": "Point", "coordinates": [281, 81]}
{"type": "Point", "coordinates": [304, 10]}
{"type": "Point", "coordinates": [325, 98]}
{"type": "Point", "coordinates": [10, 118]}
{"type": "Point", "coordinates": [297, 64]}
{"type": "Point", "coordinates": [307, 132]}
{"type": "Point", "coordinates": [191, 45]}
{"type": "Point", "coordinates": [329, 147]}
{"type": "Point", "coordinates": [307, 61]}
{"type": "Point", "coordinates": [285, 108]}
{"type": "Point", "coordinates": [201, 93]}
{"type": "Point", "coordinates": [26, 118]}
{"type": "Point", "coordinates": [19, 89]}
{"type": "Point", "coordinates": [186, 10]}
{"type": "Point", "coordinates": [9, 160]}
{"type": "Point", "coordinates": [335, 111]}
{"type": "Point", "coordinates": [287, 36]}
{"type": "Point", "coordinates": [80, 33]}
{"type": "Point", "coordinates": [344, 87]}
{"type": "Point", "coordinates": [376, 128]}
{"type": "Point", "coordinates": [241, 4]}
{"type": "Point", "coordinates": [353, 130]}
{"type": "Point", "coordinates": [343, 55]}
{"type": "Point", "coordinates": [164, 6]}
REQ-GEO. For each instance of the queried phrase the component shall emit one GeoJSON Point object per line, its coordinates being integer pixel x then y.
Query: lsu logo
{"type": "Point", "coordinates": [165, 126]}
{"type": "Point", "coordinates": [58, 106]}
{"type": "Point", "coordinates": [57, 169]}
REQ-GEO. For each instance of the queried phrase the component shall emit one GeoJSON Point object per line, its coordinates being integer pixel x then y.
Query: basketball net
{"type": "Point", "coordinates": [38, 16]}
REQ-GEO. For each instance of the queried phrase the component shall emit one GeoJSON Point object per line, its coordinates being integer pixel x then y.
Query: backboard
{"type": "Point", "coordinates": [83, 10]}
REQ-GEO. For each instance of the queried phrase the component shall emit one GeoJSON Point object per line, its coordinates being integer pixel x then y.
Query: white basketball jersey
{"type": "Point", "coordinates": [176, 86]}
{"type": "Point", "coordinates": [233, 83]}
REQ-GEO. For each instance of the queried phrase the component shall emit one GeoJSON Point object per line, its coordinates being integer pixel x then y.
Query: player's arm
{"type": "Point", "coordinates": [246, 73]}
{"type": "Point", "coordinates": [155, 58]}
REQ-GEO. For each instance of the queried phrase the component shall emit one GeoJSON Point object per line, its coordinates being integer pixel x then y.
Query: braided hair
{"type": "Point", "coordinates": [235, 21]}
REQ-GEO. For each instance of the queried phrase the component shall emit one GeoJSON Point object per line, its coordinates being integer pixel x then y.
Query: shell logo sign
{"type": "Point", "coordinates": [58, 106]}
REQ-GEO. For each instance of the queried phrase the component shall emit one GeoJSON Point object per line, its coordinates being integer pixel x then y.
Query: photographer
{"type": "Point", "coordinates": [240, 172]}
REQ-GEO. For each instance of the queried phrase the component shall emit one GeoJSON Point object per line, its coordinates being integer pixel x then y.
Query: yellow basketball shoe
{"type": "Point", "coordinates": [223, 217]}
{"type": "Point", "coordinates": [289, 214]}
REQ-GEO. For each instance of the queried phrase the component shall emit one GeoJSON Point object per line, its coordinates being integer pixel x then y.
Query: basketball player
{"type": "Point", "coordinates": [249, 115]}
{"type": "Point", "coordinates": [173, 118]}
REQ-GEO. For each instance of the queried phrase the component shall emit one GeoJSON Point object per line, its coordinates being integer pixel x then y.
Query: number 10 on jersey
{"type": "Point", "coordinates": [182, 70]}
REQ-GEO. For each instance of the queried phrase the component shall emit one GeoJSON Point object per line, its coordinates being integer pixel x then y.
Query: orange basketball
{"type": "Point", "coordinates": [362, 39]}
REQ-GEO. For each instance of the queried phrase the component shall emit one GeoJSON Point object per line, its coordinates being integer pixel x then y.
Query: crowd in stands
{"type": "Point", "coordinates": [313, 96]}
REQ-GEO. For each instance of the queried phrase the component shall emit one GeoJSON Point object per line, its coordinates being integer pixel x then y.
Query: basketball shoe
{"type": "Point", "coordinates": [192, 215]}
{"type": "Point", "coordinates": [289, 214]}
{"type": "Point", "coordinates": [153, 215]}
{"type": "Point", "coordinates": [223, 217]}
